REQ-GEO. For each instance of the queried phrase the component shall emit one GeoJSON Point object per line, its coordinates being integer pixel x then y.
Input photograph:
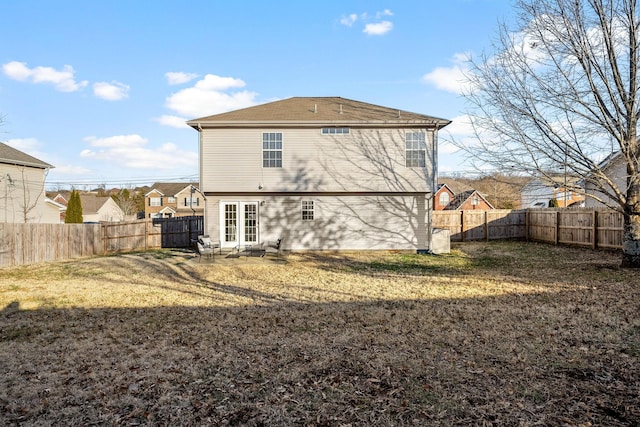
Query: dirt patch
{"type": "Point", "coordinates": [493, 334]}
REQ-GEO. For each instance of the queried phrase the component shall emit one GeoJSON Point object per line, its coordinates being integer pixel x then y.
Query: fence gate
{"type": "Point", "coordinates": [179, 232]}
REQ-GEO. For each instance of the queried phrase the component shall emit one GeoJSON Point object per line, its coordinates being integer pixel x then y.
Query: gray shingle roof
{"type": "Point", "coordinates": [10, 155]}
{"type": "Point", "coordinates": [170, 189]}
{"type": "Point", "coordinates": [318, 110]}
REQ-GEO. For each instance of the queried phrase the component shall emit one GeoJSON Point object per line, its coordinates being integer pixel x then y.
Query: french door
{"type": "Point", "coordinates": [238, 224]}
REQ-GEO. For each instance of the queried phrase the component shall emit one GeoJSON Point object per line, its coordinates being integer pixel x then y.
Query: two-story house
{"type": "Point", "coordinates": [22, 193]}
{"type": "Point", "coordinates": [540, 191]}
{"type": "Point", "coordinates": [614, 167]}
{"type": "Point", "coordinates": [173, 199]}
{"type": "Point", "coordinates": [322, 173]}
{"type": "Point", "coordinates": [469, 200]}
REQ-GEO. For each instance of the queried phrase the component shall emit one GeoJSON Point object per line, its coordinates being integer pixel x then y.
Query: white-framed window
{"type": "Point", "coordinates": [308, 210]}
{"type": "Point", "coordinates": [335, 131]}
{"type": "Point", "coordinates": [272, 150]}
{"type": "Point", "coordinates": [155, 201]}
{"type": "Point", "coordinates": [445, 198]}
{"type": "Point", "coordinates": [171, 199]}
{"type": "Point", "coordinates": [189, 201]}
{"type": "Point", "coordinates": [415, 149]}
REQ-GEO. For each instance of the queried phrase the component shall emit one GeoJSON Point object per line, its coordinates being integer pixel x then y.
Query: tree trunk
{"type": "Point", "coordinates": [631, 236]}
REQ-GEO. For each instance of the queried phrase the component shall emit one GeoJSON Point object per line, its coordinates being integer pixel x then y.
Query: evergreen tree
{"type": "Point", "coordinates": [74, 209]}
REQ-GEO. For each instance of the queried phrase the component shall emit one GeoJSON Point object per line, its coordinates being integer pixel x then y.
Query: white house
{"type": "Point", "coordinates": [100, 209]}
{"type": "Point", "coordinates": [614, 168]}
{"type": "Point", "coordinates": [538, 192]}
{"type": "Point", "coordinates": [322, 173]}
{"type": "Point", "coordinates": [22, 194]}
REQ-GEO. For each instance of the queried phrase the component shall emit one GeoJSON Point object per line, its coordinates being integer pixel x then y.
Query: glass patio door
{"type": "Point", "coordinates": [238, 224]}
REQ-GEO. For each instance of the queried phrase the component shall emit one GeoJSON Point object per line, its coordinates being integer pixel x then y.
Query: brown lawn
{"type": "Point", "coordinates": [494, 334]}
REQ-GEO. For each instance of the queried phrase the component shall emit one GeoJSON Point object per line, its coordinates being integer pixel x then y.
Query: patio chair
{"type": "Point", "coordinates": [203, 250]}
{"type": "Point", "coordinates": [208, 243]}
{"type": "Point", "coordinates": [273, 247]}
{"type": "Point", "coordinates": [207, 247]}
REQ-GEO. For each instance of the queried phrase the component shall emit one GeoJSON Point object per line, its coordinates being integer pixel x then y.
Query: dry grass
{"type": "Point", "coordinates": [493, 334]}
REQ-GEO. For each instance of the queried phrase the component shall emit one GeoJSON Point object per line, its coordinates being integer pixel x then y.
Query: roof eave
{"type": "Point", "coordinates": [432, 123]}
{"type": "Point", "coordinates": [27, 164]}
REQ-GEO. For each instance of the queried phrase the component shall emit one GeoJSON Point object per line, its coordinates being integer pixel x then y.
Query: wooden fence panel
{"type": "Point", "coordinates": [610, 228]}
{"type": "Point", "coordinates": [481, 225]}
{"type": "Point", "coordinates": [541, 225]}
{"type": "Point", "coordinates": [506, 224]}
{"type": "Point", "coordinates": [575, 227]}
{"type": "Point", "coordinates": [448, 220]}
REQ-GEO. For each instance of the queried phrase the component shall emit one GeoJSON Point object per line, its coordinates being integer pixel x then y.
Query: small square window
{"type": "Point", "coordinates": [308, 211]}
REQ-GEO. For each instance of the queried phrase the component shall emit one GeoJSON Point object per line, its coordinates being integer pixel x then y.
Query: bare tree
{"type": "Point", "coordinates": [31, 193]}
{"type": "Point", "coordinates": [560, 94]}
{"type": "Point", "coordinates": [126, 202]}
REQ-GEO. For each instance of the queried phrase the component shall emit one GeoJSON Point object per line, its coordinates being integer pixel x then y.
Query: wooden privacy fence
{"type": "Point", "coordinates": [22, 244]}
{"type": "Point", "coordinates": [582, 227]}
{"type": "Point", "coordinates": [497, 224]}
{"type": "Point", "coordinates": [31, 243]}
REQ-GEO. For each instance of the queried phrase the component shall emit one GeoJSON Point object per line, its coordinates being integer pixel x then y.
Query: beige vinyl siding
{"type": "Point", "coordinates": [23, 197]}
{"type": "Point", "coordinates": [617, 172]}
{"type": "Point", "coordinates": [363, 160]}
{"type": "Point", "coordinates": [341, 222]}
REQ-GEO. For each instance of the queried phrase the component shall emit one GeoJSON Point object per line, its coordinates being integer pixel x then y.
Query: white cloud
{"type": "Point", "coordinates": [385, 12]}
{"type": "Point", "coordinates": [63, 80]}
{"type": "Point", "coordinates": [172, 121]}
{"type": "Point", "coordinates": [370, 28]}
{"type": "Point", "coordinates": [131, 151]}
{"type": "Point", "coordinates": [28, 145]}
{"type": "Point", "coordinates": [114, 91]}
{"type": "Point", "coordinates": [70, 170]}
{"type": "Point", "coordinates": [378, 29]}
{"type": "Point", "coordinates": [177, 78]}
{"type": "Point", "coordinates": [210, 95]}
{"type": "Point", "coordinates": [349, 20]}
{"type": "Point", "coordinates": [451, 79]}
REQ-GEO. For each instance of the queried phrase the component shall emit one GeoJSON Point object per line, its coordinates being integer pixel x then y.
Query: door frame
{"type": "Point", "coordinates": [240, 240]}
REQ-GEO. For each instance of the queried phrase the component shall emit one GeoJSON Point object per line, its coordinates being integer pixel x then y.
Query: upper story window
{"type": "Point", "coordinates": [192, 201]}
{"type": "Point", "coordinates": [272, 150]}
{"type": "Point", "coordinates": [416, 149]}
{"type": "Point", "coordinates": [155, 201]}
{"type": "Point", "coordinates": [444, 198]}
{"type": "Point", "coordinates": [335, 131]}
{"type": "Point", "coordinates": [171, 199]}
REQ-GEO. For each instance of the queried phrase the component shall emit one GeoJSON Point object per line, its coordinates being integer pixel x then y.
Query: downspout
{"type": "Point", "coordinates": [204, 211]}
{"type": "Point", "coordinates": [434, 178]}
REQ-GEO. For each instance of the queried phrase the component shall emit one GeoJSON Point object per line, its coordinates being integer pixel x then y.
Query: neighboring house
{"type": "Point", "coordinates": [539, 192]}
{"type": "Point", "coordinates": [22, 195]}
{"type": "Point", "coordinates": [173, 199]}
{"type": "Point", "coordinates": [443, 197]}
{"type": "Point", "coordinates": [469, 200]}
{"type": "Point", "coordinates": [615, 168]}
{"type": "Point", "coordinates": [100, 209]}
{"type": "Point", "coordinates": [57, 210]}
{"type": "Point", "coordinates": [322, 173]}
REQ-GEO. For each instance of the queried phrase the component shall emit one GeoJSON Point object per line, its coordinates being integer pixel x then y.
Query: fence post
{"type": "Point", "coordinates": [557, 231]}
{"type": "Point", "coordinates": [595, 229]}
{"type": "Point", "coordinates": [486, 226]}
{"type": "Point", "coordinates": [462, 226]}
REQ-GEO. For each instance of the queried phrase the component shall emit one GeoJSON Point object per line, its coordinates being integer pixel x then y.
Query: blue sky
{"type": "Point", "coordinates": [101, 89]}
